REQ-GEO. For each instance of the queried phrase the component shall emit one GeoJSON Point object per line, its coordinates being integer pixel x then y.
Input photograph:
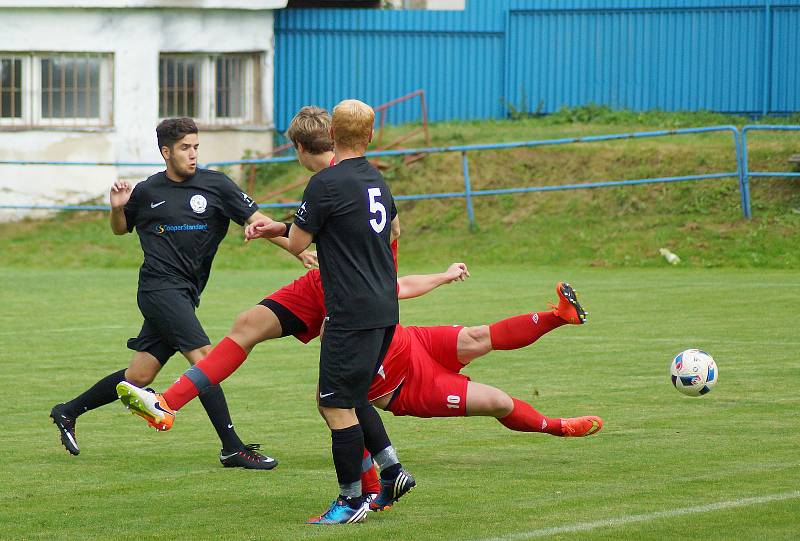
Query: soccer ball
{"type": "Point", "coordinates": [693, 372]}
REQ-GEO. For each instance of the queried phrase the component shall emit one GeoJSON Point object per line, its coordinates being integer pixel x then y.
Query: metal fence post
{"type": "Point", "coordinates": [467, 189]}
{"type": "Point", "coordinates": [744, 178]}
{"type": "Point", "coordinates": [741, 168]}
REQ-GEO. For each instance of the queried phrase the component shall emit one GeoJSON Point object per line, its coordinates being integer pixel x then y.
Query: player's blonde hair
{"type": "Point", "coordinates": [352, 124]}
{"type": "Point", "coordinates": [311, 127]}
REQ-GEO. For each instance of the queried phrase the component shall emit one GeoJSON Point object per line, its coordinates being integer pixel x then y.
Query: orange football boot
{"type": "Point", "coordinates": [569, 309]}
{"type": "Point", "coordinates": [147, 404]}
{"type": "Point", "coordinates": [577, 427]}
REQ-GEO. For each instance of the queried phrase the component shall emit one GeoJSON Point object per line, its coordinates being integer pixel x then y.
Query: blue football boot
{"type": "Point", "coordinates": [341, 513]}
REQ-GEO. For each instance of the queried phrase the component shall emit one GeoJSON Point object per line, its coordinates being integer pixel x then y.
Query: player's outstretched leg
{"type": "Point", "coordinates": [524, 418]}
{"type": "Point", "coordinates": [66, 428]}
{"type": "Point", "coordinates": [147, 404]}
{"type": "Point", "coordinates": [65, 416]}
{"type": "Point", "coordinates": [519, 331]}
{"type": "Point", "coordinates": [518, 415]}
{"type": "Point", "coordinates": [341, 513]}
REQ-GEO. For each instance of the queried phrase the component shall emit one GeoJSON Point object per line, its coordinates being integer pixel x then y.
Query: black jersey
{"type": "Point", "coordinates": [348, 209]}
{"type": "Point", "coordinates": [180, 226]}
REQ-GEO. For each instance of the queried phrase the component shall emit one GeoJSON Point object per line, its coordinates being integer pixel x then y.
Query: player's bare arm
{"type": "Point", "coordinates": [415, 285]}
{"type": "Point", "coordinates": [120, 194]}
{"type": "Point", "coordinates": [261, 226]}
{"type": "Point", "coordinates": [257, 216]}
{"type": "Point", "coordinates": [299, 239]}
{"type": "Point", "coordinates": [308, 258]}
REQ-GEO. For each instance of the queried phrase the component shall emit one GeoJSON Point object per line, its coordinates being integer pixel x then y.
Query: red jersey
{"type": "Point", "coordinates": [305, 298]}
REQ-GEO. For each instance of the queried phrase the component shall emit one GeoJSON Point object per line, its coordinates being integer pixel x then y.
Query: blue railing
{"type": "Point", "coordinates": [745, 165]}
{"type": "Point", "coordinates": [739, 139]}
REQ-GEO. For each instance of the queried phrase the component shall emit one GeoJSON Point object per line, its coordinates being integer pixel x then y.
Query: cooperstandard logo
{"type": "Point", "coordinates": [169, 228]}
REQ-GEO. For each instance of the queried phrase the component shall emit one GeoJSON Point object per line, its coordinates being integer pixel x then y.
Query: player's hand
{"type": "Point", "coordinates": [309, 259]}
{"type": "Point", "coordinates": [120, 193]}
{"type": "Point", "coordinates": [456, 272]}
{"type": "Point", "coordinates": [264, 228]}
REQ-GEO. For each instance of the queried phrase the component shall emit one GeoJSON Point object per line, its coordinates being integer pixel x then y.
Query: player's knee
{"type": "Point", "coordinates": [474, 342]}
{"type": "Point", "coordinates": [497, 404]}
{"type": "Point", "coordinates": [502, 404]}
{"type": "Point", "coordinates": [140, 378]}
{"type": "Point", "coordinates": [243, 322]}
{"type": "Point", "coordinates": [245, 329]}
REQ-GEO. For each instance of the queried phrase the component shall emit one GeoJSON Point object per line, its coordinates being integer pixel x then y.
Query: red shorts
{"type": "Point", "coordinates": [305, 299]}
{"type": "Point", "coordinates": [433, 386]}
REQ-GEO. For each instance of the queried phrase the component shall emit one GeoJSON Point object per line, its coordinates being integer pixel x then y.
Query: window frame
{"type": "Point", "coordinates": [33, 92]}
{"type": "Point", "coordinates": [207, 116]}
{"type": "Point", "coordinates": [21, 120]}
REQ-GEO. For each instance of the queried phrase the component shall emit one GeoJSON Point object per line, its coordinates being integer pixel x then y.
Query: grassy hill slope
{"type": "Point", "coordinates": [619, 226]}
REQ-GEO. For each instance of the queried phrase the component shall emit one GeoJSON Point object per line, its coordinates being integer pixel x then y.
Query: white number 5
{"type": "Point", "coordinates": [376, 207]}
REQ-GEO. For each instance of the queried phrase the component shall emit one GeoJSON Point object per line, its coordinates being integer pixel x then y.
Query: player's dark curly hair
{"type": "Point", "coordinates": [172, 130]}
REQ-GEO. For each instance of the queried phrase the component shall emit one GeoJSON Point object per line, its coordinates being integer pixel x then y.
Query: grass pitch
{"type": "Point", "coordinates": [724, 466]}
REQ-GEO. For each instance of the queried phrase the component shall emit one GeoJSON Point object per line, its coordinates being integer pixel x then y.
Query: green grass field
{"type": "Point", "coordinates": [724, 466]}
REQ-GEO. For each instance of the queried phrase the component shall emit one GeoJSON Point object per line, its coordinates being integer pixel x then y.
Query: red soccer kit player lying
{"type": "Point", "coordinates": [420, 373]}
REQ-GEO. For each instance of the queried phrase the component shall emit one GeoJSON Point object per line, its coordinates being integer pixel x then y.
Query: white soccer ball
{"type": "Point", "coordinates": [693, 372]}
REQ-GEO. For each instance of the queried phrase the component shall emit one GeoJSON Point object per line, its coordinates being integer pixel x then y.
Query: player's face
{"type": "Point", "coordinates": [182, 158]}
{"type": "Point", "coordinates": [305, 158]}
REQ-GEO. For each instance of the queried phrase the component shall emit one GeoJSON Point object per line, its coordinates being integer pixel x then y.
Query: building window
{"type": "Point", "coordinates": [10, 87]}
{"type": "Point", "coordinates": [56, 90]}
{"type": "Point", "coordinates": [179, 87]}
{"type": "Point", "coordinates": [216, 90]}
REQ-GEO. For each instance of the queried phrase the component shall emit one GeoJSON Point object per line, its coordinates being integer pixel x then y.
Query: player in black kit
{"type": "Point", "coordinates": [348, 211]}
{"type": "Point", "coordinates": [181, 215]}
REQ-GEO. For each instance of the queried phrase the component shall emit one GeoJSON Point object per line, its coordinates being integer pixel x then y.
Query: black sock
{"type": "Point", "coordinates": [213, 400]}
{"type": "Point", "coordinates": [392, 471]}
{"type": "Point", "coordinates": [347, 446]}
{"type": "Point", "coordinates": [375, 437]}
{"type": "Point", "coordinates": [353, 503]}
{"type": "Point", "coordinates": [101, 393]}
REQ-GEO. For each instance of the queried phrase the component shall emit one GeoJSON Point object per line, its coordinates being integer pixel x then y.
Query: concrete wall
{"type": "Point", "coordinates": [433, 5]}
{"type": "Point", "coordinates": [135, 37]}
{"type": "Point", "coordinates": [185, 4]}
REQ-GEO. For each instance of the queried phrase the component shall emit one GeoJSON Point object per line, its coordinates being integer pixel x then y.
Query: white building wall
{"type": "Point", "coordinates": [432, 5]}
{"type": "Point", "coordinates": [135, 37]}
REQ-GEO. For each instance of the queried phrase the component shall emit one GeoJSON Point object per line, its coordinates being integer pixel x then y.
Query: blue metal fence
{"type": "Point", "coordinates": [744, 183]}
{"type": "Point", "coordinates": [739, 147]}
{"type": "Point", "coordinates": [737, 56]}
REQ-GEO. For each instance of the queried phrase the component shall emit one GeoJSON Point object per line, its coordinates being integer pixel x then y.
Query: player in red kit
{"type": "Point", "coordinates": [420, 374]}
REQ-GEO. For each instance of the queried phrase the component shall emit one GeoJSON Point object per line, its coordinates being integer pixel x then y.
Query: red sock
{"type": "Point", "coordinates": [520, 331]}
{"type": "Point", "coordinates": [369, 475]}
{"type": "Point", "coordinates": [223, 360]}
{"type": "Point", "coordinates": [523, 418]}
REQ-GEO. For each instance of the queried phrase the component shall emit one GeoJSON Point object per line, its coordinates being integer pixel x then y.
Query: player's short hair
{"type": "Point", "coordinates": [352, 124]}
{"type": "Point", "coordinates": [311, 127]}
{"type": "Point", "coordinates": [172, 130]}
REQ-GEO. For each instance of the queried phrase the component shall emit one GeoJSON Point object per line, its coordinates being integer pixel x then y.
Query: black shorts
{"type": "Point", "coordinates": [290, 323]}
{"type": "Point", "coordinates": [170, 324]}
{"type": "Point", "coordinates": [348, 361]}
